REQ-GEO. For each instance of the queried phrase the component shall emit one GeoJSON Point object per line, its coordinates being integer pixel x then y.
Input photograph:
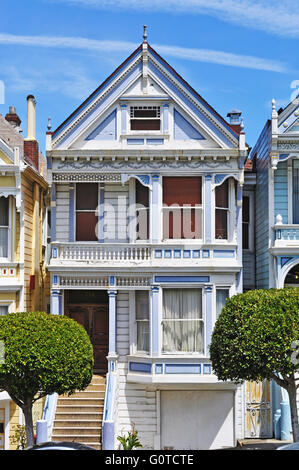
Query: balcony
{"type": "Point", "coordinates": [286, 236]}
{"type": "Point", "coordinates": [95, 254]}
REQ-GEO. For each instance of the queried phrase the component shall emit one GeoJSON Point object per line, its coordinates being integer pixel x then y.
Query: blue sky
{"type": "Point", "coordinates": [235, 53]}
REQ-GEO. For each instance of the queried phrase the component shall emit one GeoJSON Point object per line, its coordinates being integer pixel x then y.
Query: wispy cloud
{"type": "Point", "coordinates": [65, 78]}
{"type": "Point", "coordinates": [199, 55]}
{"type": "Point", "coordinates": [273, 16]}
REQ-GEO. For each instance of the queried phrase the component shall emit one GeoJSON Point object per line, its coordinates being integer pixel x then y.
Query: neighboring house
{"type": "Point", "coordinates": [275, 158]}
{"type": "Point", "coordinates": [23, 192]}
{"type": "Point", "coordinates": [146, 225]}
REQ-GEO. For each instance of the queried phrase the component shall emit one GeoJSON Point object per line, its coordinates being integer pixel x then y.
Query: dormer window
{"type": "Point", "coordinates": [145, 118]}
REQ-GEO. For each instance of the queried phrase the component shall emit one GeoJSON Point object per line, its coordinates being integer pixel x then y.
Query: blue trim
{"type": "Point", "coordinates": [140, 367]}
{"type": "Point", "coordinates": [285, 260]}
{"type": "Point", "coordinates": [155, 141]}
{"type": "Point", "coordinates": [224, 253]}
{"type": "Point", "coordinates": [195, 253]}
{"type": "Point", "coordinates": [177, 253]}
{"type": "Point", "coordinates": [182, 278]}
{"type": "Point", "coordinates": [219, 178]}
{"type": "Point", "coordinates": [135, 141]}
{"type": "Point", "coordinates": [182, 368]}
{"type": "Point", "coordinates": [123, 118]}
{"type": "Point", "coordinates": [55, 279]}
{"type": "Point", "coordinates": [167, 253]}
{"type": "Point", "coordinates": [186, 253]}
{"type": "Point", "coordinates": [283, 156]}
{"type": "Point", "coordinates": [158, 368]}
{"type": "Point", "coordinates": [158, 254]}
{"type": "Point", "coordinates": [206, 253]}
{"type": "Point", "coordinates": [183, 129]}
{"type": "Point", "coordinates": [144, 179]}
{"type": "Point", "coordinates": [112, 280]}
{"type": "Point", "coordinates": [54, 252]}
{"type": "Point", "coordinates": [106, 130]}
{"type": "Point", "coordinates": [207, 369]}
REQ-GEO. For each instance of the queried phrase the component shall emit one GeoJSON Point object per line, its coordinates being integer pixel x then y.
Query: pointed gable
{"type": "Point", "coordinates": [144, 80]}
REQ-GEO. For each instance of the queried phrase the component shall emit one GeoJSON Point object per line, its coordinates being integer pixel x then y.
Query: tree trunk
{"type": "Point", "coordinates": [27, 410]}
{"type": "Point", "coordinates": [294, 411]}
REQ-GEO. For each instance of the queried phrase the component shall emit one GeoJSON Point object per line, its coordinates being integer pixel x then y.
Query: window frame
{"type": "Point", "coordinates": [9, 241]}
{"type": "Point", "coordinates": [230, 210]}
{"type": "Point", "coordinates": [136, 350]}
{"type": "Point", "coordinates": [95, 211]}
{"type": "Point", "coordinates": [175, 207]}
{"type": "Point", "coordinates": [291, 186]}
{"type": "Point", "coordinates": [250, 248]}
{"type": "Point", "coordinates": [202, 353]}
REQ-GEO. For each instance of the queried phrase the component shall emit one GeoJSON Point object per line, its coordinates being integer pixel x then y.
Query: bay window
{"type": "Point", "coordinates": [182, 323]}
{"type": "Point", "coordinates": [182, 208]}
{"type": "Point", "coordinates": [142, 320]}
{"type": "Point", "coordinates": [4, 226]}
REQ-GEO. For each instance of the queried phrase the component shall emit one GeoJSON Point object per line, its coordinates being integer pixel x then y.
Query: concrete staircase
{"type": "Point", "coordinates": [79, 417]}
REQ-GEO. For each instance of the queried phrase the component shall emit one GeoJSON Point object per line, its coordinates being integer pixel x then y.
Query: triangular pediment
{"type": "Point", "coordinates": [152, 81]}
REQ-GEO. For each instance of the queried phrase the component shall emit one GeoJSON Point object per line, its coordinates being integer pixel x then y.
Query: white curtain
{"type": "Point", "coordinates": [182, 320]}
{"type": "Point", "coordinates": [142, 320]}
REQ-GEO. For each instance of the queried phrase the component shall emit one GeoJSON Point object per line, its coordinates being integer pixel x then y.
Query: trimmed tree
{"type": "Point", "coordinates": [255, 339]}
{"type": "Point", "coordinates": [43, 354]}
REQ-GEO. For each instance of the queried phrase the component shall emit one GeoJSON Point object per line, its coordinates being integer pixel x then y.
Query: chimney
{"type": "Point", "coordinates": [30, 143]}
{"type": "Point", "coordinates": [235, 119]}
{"type": "Point", "coordinates": [13, 118]}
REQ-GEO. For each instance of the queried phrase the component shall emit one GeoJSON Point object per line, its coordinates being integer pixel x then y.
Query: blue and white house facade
{"type": "Point", "coordinates": [146, 228]}
{"type": "Point", "coordinates": [276, 157]}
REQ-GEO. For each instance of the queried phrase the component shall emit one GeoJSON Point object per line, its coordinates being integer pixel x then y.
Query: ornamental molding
{"type": "Point", "coordinates": [94, 177]}
{"type": "Point", "coordinates": [58, 168]}
{"type": "Point", "coordinates": [288, 146]}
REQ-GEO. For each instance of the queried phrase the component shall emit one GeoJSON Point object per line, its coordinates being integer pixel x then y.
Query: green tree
{"type": "Point", "coordinates": [254, 339]}
{"type": "Point", "coordinates": [43, 354]}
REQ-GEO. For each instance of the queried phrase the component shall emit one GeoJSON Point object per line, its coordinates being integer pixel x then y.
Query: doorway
{"type": "Point", "coordinates": [91, 310]}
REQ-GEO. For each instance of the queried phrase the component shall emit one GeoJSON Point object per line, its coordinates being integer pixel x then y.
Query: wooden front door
{"type": "Point", "coordinates": [95, 320]}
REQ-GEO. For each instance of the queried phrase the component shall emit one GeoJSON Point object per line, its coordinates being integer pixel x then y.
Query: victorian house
{"type": "Point", "coordinates": [23, 280]}
{"type": "Point", "coordinates": [146, 183]}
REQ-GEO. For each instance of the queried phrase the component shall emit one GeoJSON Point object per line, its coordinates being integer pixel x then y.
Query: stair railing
{"type": "Point", "coordinates": [49, 412]}
{"type": "Point", "coordinates": [108, 415]}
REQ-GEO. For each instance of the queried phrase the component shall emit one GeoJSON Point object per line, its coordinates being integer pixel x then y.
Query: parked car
{"type": "Point", "coordinates": [56, 445]}
{"type": "Point", "coordinates": [294, 446]}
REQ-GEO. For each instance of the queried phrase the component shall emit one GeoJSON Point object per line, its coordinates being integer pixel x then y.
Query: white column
{"type": "Point", "coordinates": [112, 322]}
{"type": "Point", "coordinates": [156, 209]}
{"type": "Point", "coordinates": [56, 302]}
{"type": "Point", "coordinates": [209, 318]}
{"type": "Point", "coordinates": [208, 209]}
{"type": "Point", "coordinates": [239, 237]}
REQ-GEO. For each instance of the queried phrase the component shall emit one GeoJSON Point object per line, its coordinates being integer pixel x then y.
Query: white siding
{"type": "Point", "coordinates": [135, 403]}
{"type": "Point", "coordinates": [62, 212]}
{"type": "Point", "coordinates": [116, 212]}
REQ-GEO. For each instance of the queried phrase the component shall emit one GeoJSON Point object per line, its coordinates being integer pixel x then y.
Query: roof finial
{"type": "Point", "coordinates": [273, 104]}
{"type": "Point", "coordinates": [144, 33]}
{"type": "Point", "coordinates": [49, 126]}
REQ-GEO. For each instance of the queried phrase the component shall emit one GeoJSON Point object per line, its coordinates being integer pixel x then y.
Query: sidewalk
{"type": "Point", "coordinates": [259, 444]}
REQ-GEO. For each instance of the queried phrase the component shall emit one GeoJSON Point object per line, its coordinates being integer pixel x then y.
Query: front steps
{"type": "Point", "coordinates": [79, 417]}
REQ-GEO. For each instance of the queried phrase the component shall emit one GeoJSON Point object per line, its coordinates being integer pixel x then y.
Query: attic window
{"type": "Point", "coordinates": [145, 118]}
